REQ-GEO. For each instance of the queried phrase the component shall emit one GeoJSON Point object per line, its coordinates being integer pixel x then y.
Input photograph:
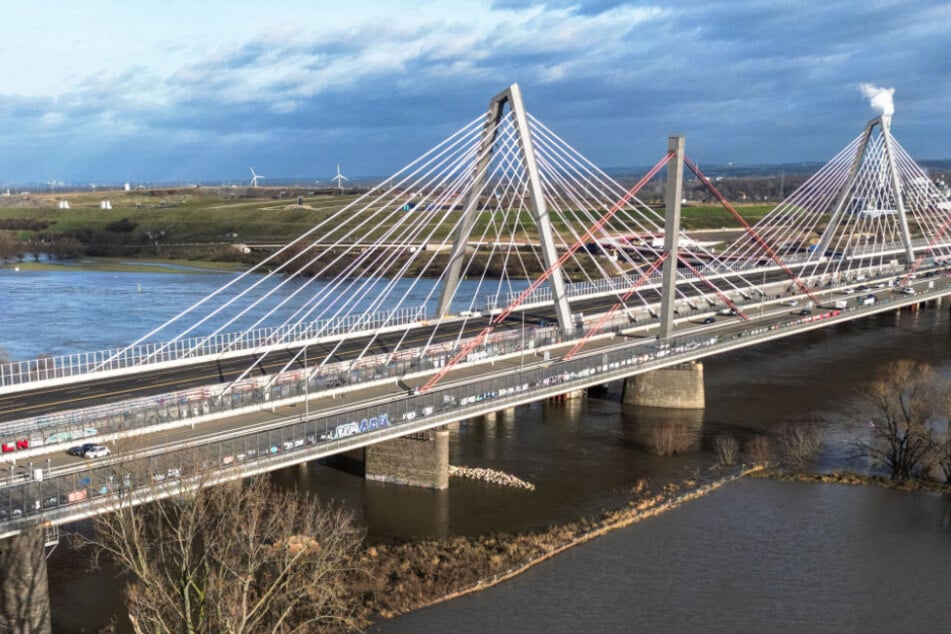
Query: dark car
{"type": "Point", "coordinates": [709, 320]}
{"type": "Point", "coordinates": [805, 311]}
{"type": "Point", "coordinates": [80, 450]}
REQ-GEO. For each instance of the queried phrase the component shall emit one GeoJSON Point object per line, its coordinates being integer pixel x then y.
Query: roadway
{"type": "Point", "coordinates": [97, 390]}
{"type": "Point", "coordinates": [104, 389]}
{"type": "Point", "coordinates": [268, 433]}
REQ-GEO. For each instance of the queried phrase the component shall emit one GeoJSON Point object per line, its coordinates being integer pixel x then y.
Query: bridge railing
{"type": "Point", "coordinates": [75, 425]}
{"type": "Point", "coordinates": [63, 366]}
{"type": "Point", "coordinates": [22, 497]}
{"type": "Point", "coordinates": [25, 497]}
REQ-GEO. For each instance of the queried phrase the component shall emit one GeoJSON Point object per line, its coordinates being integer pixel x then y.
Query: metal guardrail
{"type": "Point", "coordinates": [193, 348]}
{"type": "Point", "coordinates": [20, 372]}
{"type": "Point", "coordinates": [23, 499]}
{"type": "Point", "coordinates": [53, 494]}
{"type": "Point", "coordinates": [75, 425]}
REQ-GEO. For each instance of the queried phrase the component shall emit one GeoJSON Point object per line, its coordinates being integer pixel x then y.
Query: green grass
{"type": "Point", "coordinates": [714, 216]}
{"type": "Point", "coordinates": [180, 217]}
{"type": "Point", "coordinates": [184, 217]}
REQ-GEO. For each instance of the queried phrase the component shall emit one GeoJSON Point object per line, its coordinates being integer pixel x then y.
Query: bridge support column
{"type": "Point", "coordinates": [24, 592]}
{"type": "Point", "coordinates": [420, 460]}
{"type": "Point", "coordinates": [676, 387]}
{"type": "Point", "coordinates": [567, 396]}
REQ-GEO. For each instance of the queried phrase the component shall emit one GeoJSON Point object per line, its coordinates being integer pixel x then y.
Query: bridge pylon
{"type": "Point", "coordinates": [488, 146]}
{"type": "Point", "coordinates": [673, 198]}
{"type": "Point", "coordinates": [882, 182]}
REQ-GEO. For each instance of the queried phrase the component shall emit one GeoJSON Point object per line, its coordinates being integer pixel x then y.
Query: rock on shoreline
{"type": "Point", "coordinates": [491, 476]}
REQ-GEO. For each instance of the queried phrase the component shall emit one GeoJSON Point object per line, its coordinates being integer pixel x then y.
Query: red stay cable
{"type": "Point", "coordinates": [769, 251]}
{"type": "Point", "coordinates": [600, 323]}
{"type": "Point", "coordinates": [589, 233]}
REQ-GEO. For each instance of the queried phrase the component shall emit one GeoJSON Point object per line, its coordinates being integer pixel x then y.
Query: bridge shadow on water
{"type": "Point", "coordinates": [648, 428]}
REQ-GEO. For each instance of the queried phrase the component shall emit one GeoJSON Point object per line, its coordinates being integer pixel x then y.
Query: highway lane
{"type": "Point", "coordinates": [371, 396]}
{"type": "Point", "coordinates": [105, 389]}
{"type": "Point", "coordinates": [102, 390]}
{"type": "Point", "coordinates": [151, 382]}
{"type": "Point", "coordinates": [320, 405]}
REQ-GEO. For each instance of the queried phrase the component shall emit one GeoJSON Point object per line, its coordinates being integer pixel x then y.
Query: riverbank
{"type": "Point", "coordinates": [850, 478]}
{"type": "Point", "coordinates": [125, 265]}
{"type": "Point", "coordinates": [758, 555]}
{"type": "Point", "coordinates": [405, 577]}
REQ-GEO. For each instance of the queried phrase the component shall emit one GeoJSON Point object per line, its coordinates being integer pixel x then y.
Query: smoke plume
{"type": "Point", "coordinates": [880, 98]}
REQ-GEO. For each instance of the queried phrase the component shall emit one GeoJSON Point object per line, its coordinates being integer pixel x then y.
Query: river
{"type": "Point", "coordinates": [755, 555]}
{"type": "Point", "coordinates": [583, 456]}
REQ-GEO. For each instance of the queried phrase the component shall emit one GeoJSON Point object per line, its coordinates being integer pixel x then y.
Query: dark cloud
{"type": "Point", "coordinates": [746, 81]}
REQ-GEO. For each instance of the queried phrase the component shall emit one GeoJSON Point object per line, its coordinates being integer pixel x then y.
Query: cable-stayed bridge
{"type": "Point", "coordinates": [499, 268]}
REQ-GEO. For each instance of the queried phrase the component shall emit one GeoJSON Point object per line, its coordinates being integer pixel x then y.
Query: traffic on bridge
{"type": "Point", "coordinates": [526, 272]}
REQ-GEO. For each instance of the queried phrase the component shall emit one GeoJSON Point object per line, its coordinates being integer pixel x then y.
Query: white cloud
{"type": "Point", "coordinates": [172, 72]}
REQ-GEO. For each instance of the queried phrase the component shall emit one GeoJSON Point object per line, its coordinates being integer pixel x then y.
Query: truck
{"type": "Point", "coordinates": [841, 303]}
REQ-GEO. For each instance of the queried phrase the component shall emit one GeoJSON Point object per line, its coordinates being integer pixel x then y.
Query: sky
{"type": "Point", "coordinates": [176, 91]}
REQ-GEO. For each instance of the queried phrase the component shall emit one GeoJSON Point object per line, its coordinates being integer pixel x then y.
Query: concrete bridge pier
{"type": "Point", "coordinates": [420, 459]}
{"type": "Point", "coordinates": [24, 592]}
{"type": "Point", "coordinates": [567, 396]}
{"type": "Point", "coordinates": [676, 387]}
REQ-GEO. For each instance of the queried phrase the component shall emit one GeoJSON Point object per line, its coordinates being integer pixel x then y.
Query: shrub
{"type": "Point", "coordinates": [798, 442]}
{"type": "Point", "coordinates": [670, 439]}
{"type": "Point", "coordinates": [727, 449]}
{"type": "Point", "coordinates": [758, 450]}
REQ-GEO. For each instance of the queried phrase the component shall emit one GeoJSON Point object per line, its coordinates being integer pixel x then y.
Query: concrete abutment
{"type": "Point", "coordinates": [676, 387]}
{"type": "Point", "coordinates": [420, 459]}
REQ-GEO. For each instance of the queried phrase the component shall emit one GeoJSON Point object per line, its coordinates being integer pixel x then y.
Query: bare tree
{"type": "Point", "coordinates": [24, 597]}
{"type": "Point", "coordinates": [727, 450]}
{"type": "Point", "coordinates": [236, 557]}
{"type": "Point", "coordinates": [8, 246]}
{"type": "Point", "coordinates": [943, 452]}
{"type": "Point", "coordinates": [907, 398]}
{"type": "Point", "coordinates": [758, 450]}
{"type": "Point", "coordinates": [669, 439]}
{"type": "Point", "coordinates": [798, 442]}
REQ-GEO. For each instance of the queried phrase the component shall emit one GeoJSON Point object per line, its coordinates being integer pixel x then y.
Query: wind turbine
{"type": "Point", "coordinates": [339, 178]}
{"type": "Point", "coordinates": [254, 178]}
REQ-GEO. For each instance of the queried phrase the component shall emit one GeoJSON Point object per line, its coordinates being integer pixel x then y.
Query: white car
{"type": "Point", "coordinates": [96, 451]}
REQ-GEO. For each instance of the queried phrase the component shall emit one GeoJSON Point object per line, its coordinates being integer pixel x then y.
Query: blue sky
{"type": "Point", "coordinates": [111, 91]}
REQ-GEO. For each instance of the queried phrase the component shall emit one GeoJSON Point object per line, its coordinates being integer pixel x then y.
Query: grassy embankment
{"type": "Point", "coordinates": [190, 225]}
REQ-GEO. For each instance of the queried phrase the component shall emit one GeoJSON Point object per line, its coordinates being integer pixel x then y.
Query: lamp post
{"type": "Point", "coordinates": [521, 366]}
{"type": "Point", "coordinates": [306, 387]}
